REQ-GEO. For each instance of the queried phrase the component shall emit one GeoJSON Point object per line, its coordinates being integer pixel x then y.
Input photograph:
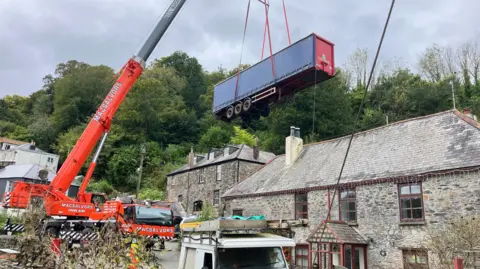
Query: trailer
{"type": "Point", "coordinates": [250, 93]}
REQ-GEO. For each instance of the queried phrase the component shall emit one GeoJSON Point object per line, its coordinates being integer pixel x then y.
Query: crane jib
{"type": "Point", "coordinates": [107, 101]}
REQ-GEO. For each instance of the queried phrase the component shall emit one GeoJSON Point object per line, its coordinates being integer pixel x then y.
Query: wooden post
{"type": "Point", "coordinates": [458, 263]}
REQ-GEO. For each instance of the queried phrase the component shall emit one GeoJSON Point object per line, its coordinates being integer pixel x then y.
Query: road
{"type": "Point", "coordinates": [169, 257]}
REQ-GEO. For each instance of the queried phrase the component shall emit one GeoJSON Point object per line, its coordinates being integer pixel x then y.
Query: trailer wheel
{"type": "Point", "coordinates": [247, 104]}
{"type": "Point", "coordinates": [229, 113]}
{"type": "Point", "coordinates": [238, 108]}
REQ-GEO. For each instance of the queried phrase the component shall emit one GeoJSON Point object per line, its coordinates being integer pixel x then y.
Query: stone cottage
{"type": "Point", "coordinates": [399, 180]}
{"type": "Point", "coordinates": [206, 177]}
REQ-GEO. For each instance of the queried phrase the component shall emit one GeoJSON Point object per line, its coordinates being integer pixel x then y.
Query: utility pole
{"type": "Point", "coordinates": [453, 91]}
{"type": "Point", "coordinates": [142, 156]}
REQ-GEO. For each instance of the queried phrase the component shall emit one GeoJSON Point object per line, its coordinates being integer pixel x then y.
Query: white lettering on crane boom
{"type": "Point", "coordinates": [107, 101]}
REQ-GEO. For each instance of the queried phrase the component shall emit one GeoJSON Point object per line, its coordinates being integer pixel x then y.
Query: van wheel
{"type": "Point", "coordinates": [247, 104]}
{"type": "Point", "coordinates": [238, 108]}
{"type": "Point", "coordinates": [229, 113]}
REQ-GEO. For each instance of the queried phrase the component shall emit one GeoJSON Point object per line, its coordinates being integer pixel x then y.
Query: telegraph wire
{"type": "Point", "coordinates": [357, 117]}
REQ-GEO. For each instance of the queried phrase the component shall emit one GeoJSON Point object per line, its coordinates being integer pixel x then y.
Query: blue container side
{"type": "Point", "coordinates": [287, 62]}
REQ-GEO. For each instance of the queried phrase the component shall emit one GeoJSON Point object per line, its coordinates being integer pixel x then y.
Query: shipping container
{"type": "Point", "coordinates": [304, 63]}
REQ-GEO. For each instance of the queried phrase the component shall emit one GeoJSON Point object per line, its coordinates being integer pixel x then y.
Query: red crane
{"type": "Point", "coordinates": [82, 213]}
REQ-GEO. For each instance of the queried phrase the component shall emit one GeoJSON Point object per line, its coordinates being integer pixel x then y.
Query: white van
{"type": "Point", "coordinates": [222, 244]}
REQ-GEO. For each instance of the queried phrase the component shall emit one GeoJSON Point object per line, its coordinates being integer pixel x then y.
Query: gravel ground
{"type": "Point", "coordinates": [169, 257]}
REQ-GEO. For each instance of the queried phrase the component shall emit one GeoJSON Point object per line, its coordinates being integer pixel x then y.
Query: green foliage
{"type": "Point", "coordinates": [169, 110]}
{"type": "Point", "coordinates": [207, 212]}
{"type": "Point", "coordinates": [151, 194]}
{"type": "Point", "coordinates": [242, 137]}
{"type": "Point", "coordinates": [102, 186]}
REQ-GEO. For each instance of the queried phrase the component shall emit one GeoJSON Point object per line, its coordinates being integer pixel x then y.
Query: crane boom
{"type": "Point", "coordinates": [100, 123]}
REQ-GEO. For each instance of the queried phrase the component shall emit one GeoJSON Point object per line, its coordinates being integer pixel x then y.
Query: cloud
{"type": "Point", "coordinates": [37, 35]}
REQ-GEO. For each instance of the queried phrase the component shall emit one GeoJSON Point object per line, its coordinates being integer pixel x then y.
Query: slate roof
{"type": "Point", "coordinates": [442, 141]}
{"type": "Point", "coordinates": [26, 171]}
{"type": "Point", "coordinates": [336, 232]}
{"type": "Point", "coordinates": [244, 152]}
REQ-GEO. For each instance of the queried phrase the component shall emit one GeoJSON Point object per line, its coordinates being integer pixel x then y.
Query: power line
{"type": "Point", "coordinates": [358, 116]}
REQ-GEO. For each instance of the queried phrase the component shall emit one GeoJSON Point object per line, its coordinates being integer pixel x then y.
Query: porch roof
{"type": "Point", "coordinates": [336, 232]}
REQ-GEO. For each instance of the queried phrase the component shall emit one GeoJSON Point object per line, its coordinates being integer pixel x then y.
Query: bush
{"type": "Point", "coordinates": [151, 194]}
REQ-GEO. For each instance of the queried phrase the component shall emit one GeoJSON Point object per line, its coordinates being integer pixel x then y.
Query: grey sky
{"type": "Point", "coordinates": [36, 35]}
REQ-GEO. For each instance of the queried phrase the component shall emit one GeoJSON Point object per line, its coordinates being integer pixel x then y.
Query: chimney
{"type": "Point", "coordinates": [293, 146]}
{"type": "Point", "coordinates": [191, 158]}
{"type": "Point", "coordinates": [256, 150]}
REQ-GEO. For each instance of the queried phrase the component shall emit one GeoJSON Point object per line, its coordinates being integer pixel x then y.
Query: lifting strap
{"type": "Point", "coordinates": [241, 52]}
{"type": "Point", "coordinates": [286, 23]}
{"type": "Point", "coordinates": [269, 41]}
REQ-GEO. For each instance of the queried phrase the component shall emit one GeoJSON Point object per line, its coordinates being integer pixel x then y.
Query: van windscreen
{"type": "Point", "coordinates": [252, 258]}
{"type": "Point", "coordinates": [153, 216]}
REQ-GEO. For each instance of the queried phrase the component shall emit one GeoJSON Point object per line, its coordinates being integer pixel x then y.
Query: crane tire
{"type": "Point", "coordinates": [238, 108]}
{"type": "Point", "coordinates": [247, 105]}
{"type": "Point", "coordinates": [230, 113]}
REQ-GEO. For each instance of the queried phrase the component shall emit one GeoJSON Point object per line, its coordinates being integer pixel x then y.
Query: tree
{"type": "Point", "coordinates": [154, 110]}
{"type": "Point", "coordinates": [215, 137]}
{"type": "Point", "coordinates": [242, 137]}
{"type": "Point", "coordinates": [78, 93]}
{"type": "Point", "coordinates": [458, 238]}
{"type": "Point", "coordinates": [432, 63]}
{"type": "Point", "coordinates": [188, 68]}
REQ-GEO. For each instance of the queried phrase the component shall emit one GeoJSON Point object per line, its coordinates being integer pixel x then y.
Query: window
{"type": "Point", "coordinates": [301, 206]}
{"type": "Point", "coordinates": [50, 159]}
{"type": "Point", "coordinates": [301, 256]}
{"type": "Point", "coordinates": [201, 176]}
{"type": "Point", "coordinates": [415, 259]}
{"type": "Point", "coordinates": [411, 202]}
{"type": "Point", "coordinates": [7, 147]}
{"type": "Point", "coordinates": [216, 197]}
{"type": "Point", "coordinates": [237, 212]}
{"type": "Point", "coordinates": [348, 212]}
{"type": "Point", "coordinates": [180, 198]}
{"type": "Point", "coordinates": [197, 206]}
{"type": "Point", "coordinates": [219, 172]}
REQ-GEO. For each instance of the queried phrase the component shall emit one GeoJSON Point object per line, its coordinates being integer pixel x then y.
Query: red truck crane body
{"type": "Point", "coordinates": [57, 203]}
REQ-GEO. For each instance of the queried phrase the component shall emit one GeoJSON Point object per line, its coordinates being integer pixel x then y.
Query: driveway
{"type": "Point", "coordinates": [169, 257]}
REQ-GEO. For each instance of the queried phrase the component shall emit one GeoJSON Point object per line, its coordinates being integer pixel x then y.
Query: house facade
{"type": "Point", "coordinates": [18, 152]}
{"type": "Point", "coordinates": [400, 181]}
{"type": "Point", "coordinates": [206, 177]}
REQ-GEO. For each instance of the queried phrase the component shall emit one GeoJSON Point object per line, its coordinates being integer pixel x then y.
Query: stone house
{"type": "Point", "coordinates": [206, 177]}
{"type": "Point", "coordinates": [399, 181]}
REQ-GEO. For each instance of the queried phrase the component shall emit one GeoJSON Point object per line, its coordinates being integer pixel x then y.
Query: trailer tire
{"type": "Point", "coordinates": [238, 108]}
{"type": "Point", "coordinates": [229, 113]}
{"type": "Point", "coordinates": [247, 105]}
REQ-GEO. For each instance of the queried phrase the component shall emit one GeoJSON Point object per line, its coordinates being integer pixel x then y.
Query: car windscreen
{"type": "Point", "coordinates": [252, 258]}
{"type": "Point", "coordinates": [153, 216]}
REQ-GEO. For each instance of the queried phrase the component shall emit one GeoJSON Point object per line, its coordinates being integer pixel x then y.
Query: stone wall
{"type": "Point", "coordinates": [188, 185]}
{"type": "Point", "coordinates": [378, 218]}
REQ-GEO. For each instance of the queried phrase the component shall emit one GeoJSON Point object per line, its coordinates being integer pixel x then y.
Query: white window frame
{"type": "Point", "coordinates": [219, 172]}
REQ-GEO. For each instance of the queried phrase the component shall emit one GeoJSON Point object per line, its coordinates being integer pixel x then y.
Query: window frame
{"type": "Point", "coordinates": [410, 196]}
{"type": "Point", "coordinates": [416, 265]}
{"type": "Point", "coordinates": [217, 198]}
{"type": "Point", "coordinates": [347, 200]}
{"type": "Point", "coordinates": [236, 211]}
{"type": "Point", "coordinates": [201, 176]}
{"type": "Point", "coordinates": [304, 214]}
{"type": "Point", "coordinates": [307, 257]}
{"type": "Point", "coordinates": [218, 172]}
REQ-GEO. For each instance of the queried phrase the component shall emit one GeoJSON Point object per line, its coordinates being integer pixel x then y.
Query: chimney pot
{"type": "Point", "coordinates": [292, 130]}
{"type": "Point", "coordinates": [297, 132]}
